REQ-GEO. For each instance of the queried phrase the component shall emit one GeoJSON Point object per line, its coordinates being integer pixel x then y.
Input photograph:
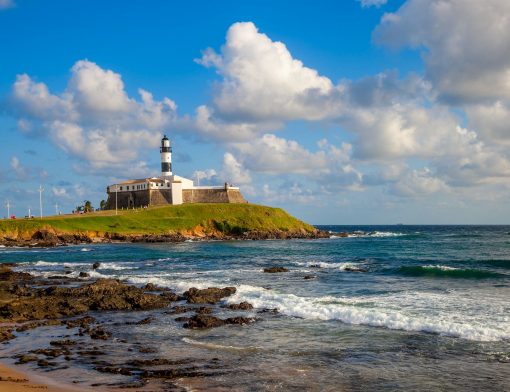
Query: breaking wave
{"type": "Point", "coordinates": [389, 312]}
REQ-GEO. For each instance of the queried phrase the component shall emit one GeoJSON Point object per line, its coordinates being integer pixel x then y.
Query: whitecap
{"type": "Point", "coordinates": [421, 312]}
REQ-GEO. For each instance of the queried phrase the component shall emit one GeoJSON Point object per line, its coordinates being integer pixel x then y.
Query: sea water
{"type": "Point", "coordinates": [386, 308]}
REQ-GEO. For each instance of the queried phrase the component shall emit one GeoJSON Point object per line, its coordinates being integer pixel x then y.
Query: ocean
{"type": "Point", "coordinates": [389, 308]}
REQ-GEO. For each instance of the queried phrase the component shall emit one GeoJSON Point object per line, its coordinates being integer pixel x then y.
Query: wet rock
{"type": "Point", "coordinates": [45, 363]}
{"type": "Point", "coordinates": [241, 306]}
{"type": "Point", "coordinates": [147, 350]}
{"type": "Point", "coordinates": [66, 342]}
{"type": "Point", "coordinates": [99, 333]}
{"type": "Point", "coordinates": [308, 277]}
{"type": "Point", "coordinates": [169, 296]}
{"type": "Point", "coordinates": [6, 334]}
{"type": "Point", "coordinates": [159, 362]}
{"type": "Point", "coordinates": [270, 311]}
{"type": "Point", "coordinates": [273, 270]}
{"type": "Point", "coordinates": [181, 319]}
{"type": "Point", "coordinates": [355, 269]}
{"type": "Point", "coordinates": [115, 370]}
{"type": "Point", "coordinates": [210, 295]}
{"type": "Point", "coordinates": [25, 358]}
{"type": "Point", "coordinates": [80, 322]}
{"type": "Point", "coordinates": [96, 265]}
{"type": "Point", "coordinates": [204, 310]}
{"type": "Point", "coordinates": [84, 275]}
{"type": "Point", "coordinates": [239, 320]}
{"type": "Point", "coordinates": [177, 310]}
{"type": "Point", "coordinates": [202, 321]}
{"type": "Point", "coordinates": [51, 352]}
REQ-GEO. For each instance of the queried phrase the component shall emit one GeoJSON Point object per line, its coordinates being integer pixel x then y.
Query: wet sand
{"type": "Point", "coordinates": [15, 381]}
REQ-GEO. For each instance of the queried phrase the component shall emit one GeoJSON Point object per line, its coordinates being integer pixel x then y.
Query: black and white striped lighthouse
{"type": "Point", "coordinates": [166, 157]}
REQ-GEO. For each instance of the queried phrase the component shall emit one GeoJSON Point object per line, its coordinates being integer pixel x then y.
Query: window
{"type": "Point", "coordinates": [120, 188]}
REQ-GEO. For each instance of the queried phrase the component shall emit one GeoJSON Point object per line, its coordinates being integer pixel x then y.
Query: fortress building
{"type": "Point", "coordinates": [168, 188]}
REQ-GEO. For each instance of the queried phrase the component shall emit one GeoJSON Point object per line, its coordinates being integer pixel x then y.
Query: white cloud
{"type": "Point", "coordinates": [233, 171]}
{"type": "Point", "coordinates": [94, 120]}
{"type": "Point", "coordinates": [372, 3]}
{"type": "Point", "coordinates": [203, 177]}
{"type": "Point", "coordinates": [466, 45]}
{"type": "Point", "coordinates": [263, 82]}
{"type": "Point", "coordinates": [418, 183]}
{"type": "Point", "coordinates": [19, 170]}
{"type": "Point", "coordinates": [59, 191]}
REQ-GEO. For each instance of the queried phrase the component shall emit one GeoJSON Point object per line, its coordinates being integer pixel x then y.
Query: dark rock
{"type": "Point", "coordinates": [6, 334]}
{"type": "Point", "coordinates": [80, 322]}
{"type": "Point", "coordinates": [51, 352]}
{"type": "Point", "coordinates": [210, 295]}
{"type": "Point", "coordinates": [147, 350]}
{"type": "Point", "coordinates": [204, 310]}
{"type": "Point", "coordinates": [273, 270]}
{"type": "Point", "coordinates": [308, 277]}
{"type": "Point", "coordinates": [96, 265]}
{"type": "Point", "coordinates": [239, 320]}
{"type": "Point", "coordinates": [169, 296]}
{"type": "Point", "coordinates": [181, 319]}
{"type": "Point", "coordinates": [178, 310]}
{"type": "Point", "coordinates": [66, 342]}
{"type": "Point", "coordinates": [99, 333]}
{"type": "Point", "coordinates": [115, 370]}
{"type": "Point", "coordinates": [271, 311]}
{"type": "Point", "coordinates": [355, 269]}
{"type": "Point", "coordinates": [45, 363]}
{"type": "Point", "coordinates": [241, 306]}
{"type": "Point", "coordinates": [25, 358]}
{"type": "Point", "coordinates": [202, 321]}
{"type": "Point", "coordinates": [84, 275]}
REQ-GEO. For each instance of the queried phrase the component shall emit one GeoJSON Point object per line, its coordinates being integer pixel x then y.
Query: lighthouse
{"type": "Point", "coordinates": [166, 157]}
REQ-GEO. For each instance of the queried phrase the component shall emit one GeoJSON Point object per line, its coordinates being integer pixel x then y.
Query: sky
{"type": "Point", "coordinates": [340, 112]}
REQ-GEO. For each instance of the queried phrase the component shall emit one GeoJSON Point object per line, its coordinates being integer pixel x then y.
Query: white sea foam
{"type": "Point", "coordinates": [441, 267]}
{"type": "Point", "coordinates": [42, 263]}
{"type": "Point", "coordinates": [325, 265]}
{"type": "Point", "coordinates": [85, 250]}
{"type": "Point", "coordinates": [377, 234]}
{"type": "Point", "coordinates": [117, 266]}
{"type": "Point", "coordinates": [434, 313]}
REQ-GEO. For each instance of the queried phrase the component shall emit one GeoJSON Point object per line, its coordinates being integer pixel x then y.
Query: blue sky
{"type": "Point", "coordinates": [346, 112]}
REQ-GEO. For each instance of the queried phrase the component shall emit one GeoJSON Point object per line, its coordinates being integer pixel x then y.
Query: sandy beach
{"type": "Point", "coordinates": [15, 381]}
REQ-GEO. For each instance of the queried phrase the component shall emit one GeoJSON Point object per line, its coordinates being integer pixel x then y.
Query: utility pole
{"type": "Point", "coordinates": [29, 213]}
{"type": "Point", "coordinates": [116, 188]}
{"type": "Point", "coordinates": [56, 208]}
{"type": "Point", "coordinates": [41, 190]}
{"type": "Point", "coordinates": [8, 204]}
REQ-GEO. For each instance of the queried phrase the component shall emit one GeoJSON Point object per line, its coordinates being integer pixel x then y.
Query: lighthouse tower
{"type": "Point", "coordinates": [166, 157]}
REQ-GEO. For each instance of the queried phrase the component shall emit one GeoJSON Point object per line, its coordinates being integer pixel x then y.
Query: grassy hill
{"type": "Point", "coordinates": [186, 219]}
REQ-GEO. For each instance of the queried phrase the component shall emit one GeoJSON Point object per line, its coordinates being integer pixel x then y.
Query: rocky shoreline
{"type": "Point", "coordinates": [50, 238]}
{"type": "Point", "coordinates": [71, 306]}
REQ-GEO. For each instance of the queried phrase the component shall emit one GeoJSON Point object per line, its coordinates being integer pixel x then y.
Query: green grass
{"type": "Point", "coordinates": [226, 218]}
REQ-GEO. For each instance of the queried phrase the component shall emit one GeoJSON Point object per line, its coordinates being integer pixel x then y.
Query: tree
{"type": "Point", "coordinates": [88, 206]}
{"type": "Point", "coordinates": [102, 205]}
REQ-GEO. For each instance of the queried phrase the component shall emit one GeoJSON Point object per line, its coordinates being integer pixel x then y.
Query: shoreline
{"type": "Point", "coordinates": [15, 380]}
{"type": "Point", "coordinates": [77, 334]}
{"type": "Point", "coordinates": [48, 238]}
